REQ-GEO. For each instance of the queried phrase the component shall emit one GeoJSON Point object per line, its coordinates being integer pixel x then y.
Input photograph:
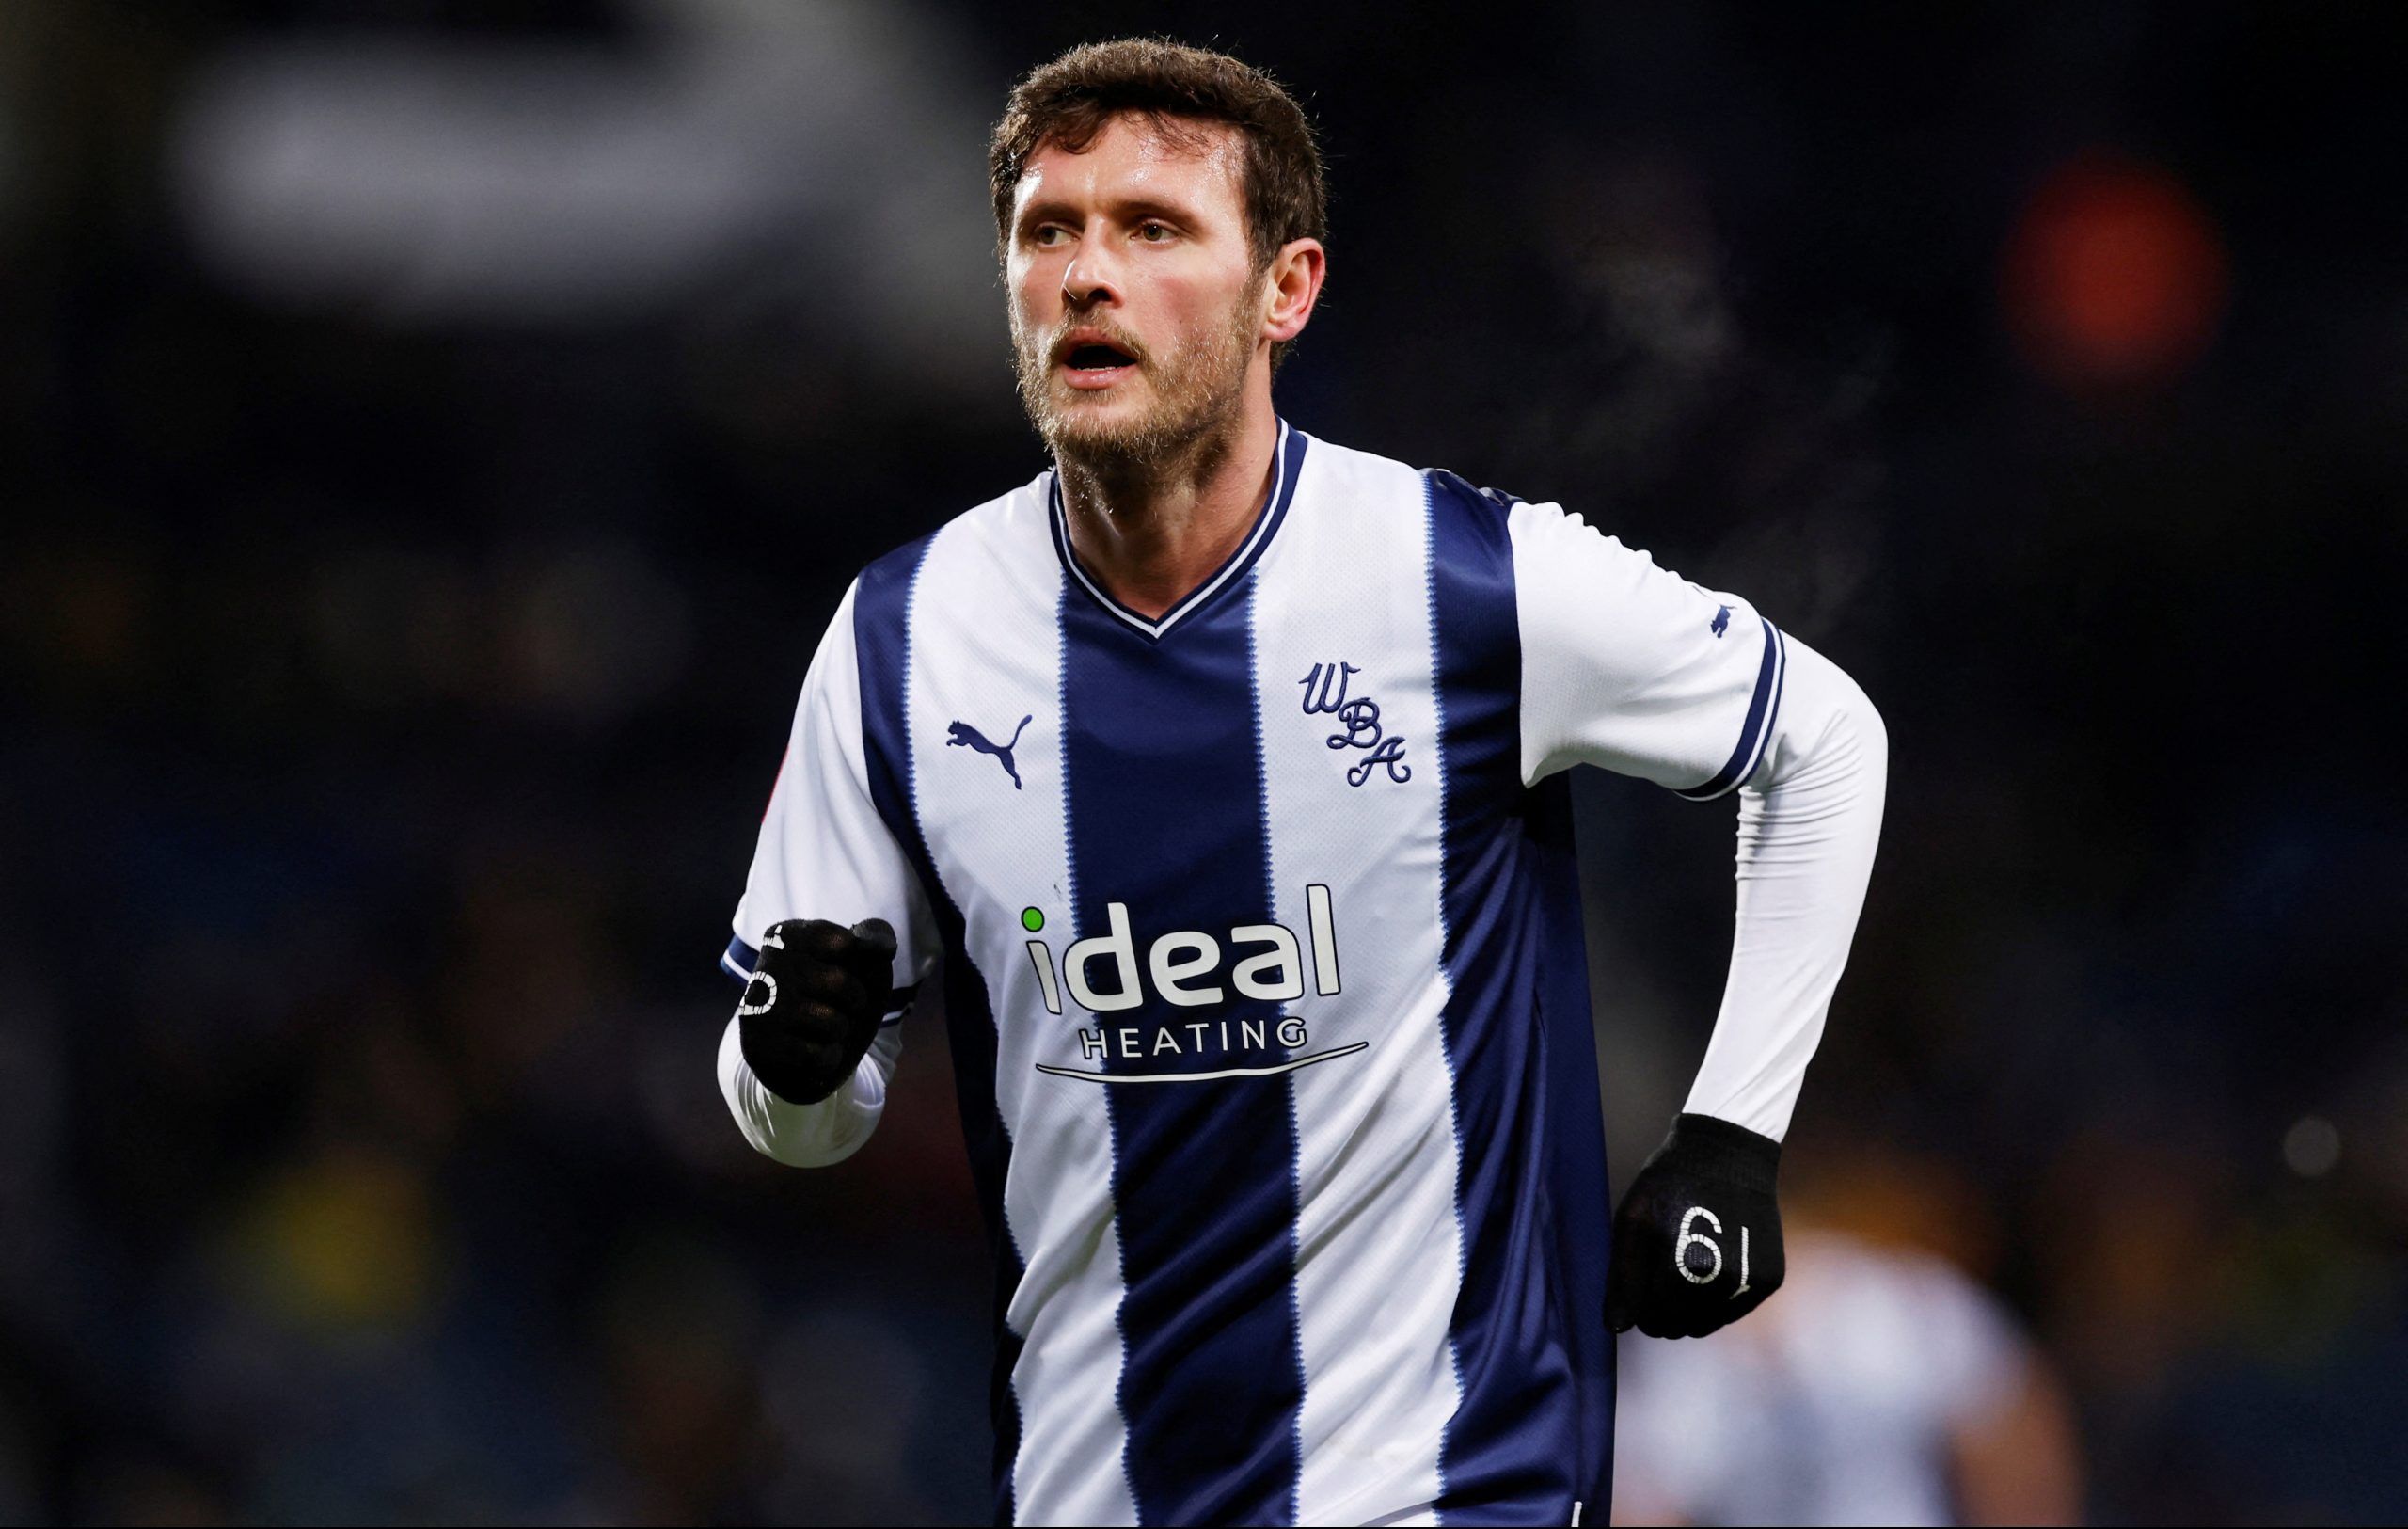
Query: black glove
{"type": "Point", "coordinates": [1697, 1242]}
{"type": "Point", "coordinates": [814, 1004]}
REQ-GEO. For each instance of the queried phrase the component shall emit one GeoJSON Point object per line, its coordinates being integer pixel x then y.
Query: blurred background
{"type": "Point", "coordinates": [438, 431]}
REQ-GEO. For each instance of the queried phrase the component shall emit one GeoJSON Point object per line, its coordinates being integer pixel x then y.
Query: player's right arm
{"type": "Point", "coordinates": [831, 938]}
{"type": "Point", "coordinates": [1631, 667]}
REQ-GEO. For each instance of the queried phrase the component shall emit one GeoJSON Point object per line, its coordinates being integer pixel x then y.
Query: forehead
{"type": "Point", "coordinates": [1192, 162]}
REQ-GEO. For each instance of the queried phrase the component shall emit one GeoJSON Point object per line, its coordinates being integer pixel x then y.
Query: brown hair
{"type": "Point", "coordinates": [1070, 100]}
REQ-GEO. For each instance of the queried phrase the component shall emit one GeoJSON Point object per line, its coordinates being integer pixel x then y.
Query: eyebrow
{"type": "Point", "coordinates": [1136, 208]}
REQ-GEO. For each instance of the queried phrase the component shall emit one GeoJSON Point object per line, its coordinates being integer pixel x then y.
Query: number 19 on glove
{"type": "Point", "coordinates": [1697, 1241]}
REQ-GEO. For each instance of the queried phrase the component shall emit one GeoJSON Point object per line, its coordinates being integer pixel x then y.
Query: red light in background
{"type": "Point", "coordinates": [2114, 276]}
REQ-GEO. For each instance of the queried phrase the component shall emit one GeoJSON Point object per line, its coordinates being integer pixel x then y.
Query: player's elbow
{"type": "Point", "coordinates": [1849, 757]}
{"type": "Point", "coordinates": [1832, 736]}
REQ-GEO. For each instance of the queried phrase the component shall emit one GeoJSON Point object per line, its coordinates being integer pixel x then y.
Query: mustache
{"type": "Point", "coordinates": [1118, 339]}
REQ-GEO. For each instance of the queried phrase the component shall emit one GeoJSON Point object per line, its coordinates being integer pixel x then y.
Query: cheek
{"type": "Point", "coordinates": [1208, 299]}
{"type": "Point", "coordinates": [1196, 305]}
{"type": "Point", "coordinates": [1036, 293]}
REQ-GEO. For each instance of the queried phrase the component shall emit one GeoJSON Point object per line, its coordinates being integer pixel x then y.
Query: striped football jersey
{"type": "Point", "coordinates": [1260, 957]}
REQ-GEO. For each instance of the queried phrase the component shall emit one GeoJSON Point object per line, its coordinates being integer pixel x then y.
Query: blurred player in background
{"type": "Point", "coordinates": [1886, 1385]}
{"type": "Point", "coordinates": [1221, 770]}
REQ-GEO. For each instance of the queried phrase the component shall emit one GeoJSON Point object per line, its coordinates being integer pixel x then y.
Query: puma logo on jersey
{"type": "Point", "coordinates": [962, 734]}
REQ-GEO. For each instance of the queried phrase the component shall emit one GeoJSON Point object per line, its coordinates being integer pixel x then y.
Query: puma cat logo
{"type": "Point", "coordinates": [962, 735]}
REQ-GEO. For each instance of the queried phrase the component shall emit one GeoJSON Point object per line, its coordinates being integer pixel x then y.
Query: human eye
{"type": "Point", "coordinates": [1155, 232]}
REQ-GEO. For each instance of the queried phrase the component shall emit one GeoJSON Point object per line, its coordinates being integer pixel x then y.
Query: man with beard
{"type": "Point", "coordinates": [1224, 767]}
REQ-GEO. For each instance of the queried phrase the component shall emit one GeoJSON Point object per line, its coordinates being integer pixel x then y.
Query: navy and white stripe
{"type": "Point", "coordinates": [1161, 759]}
{"type": "Point", "coordinates": [983, 633]}
{"type": "Point", "coordinates": [1534, 1423]}
{"type": "Point", "coordinates": [1378, 1252]}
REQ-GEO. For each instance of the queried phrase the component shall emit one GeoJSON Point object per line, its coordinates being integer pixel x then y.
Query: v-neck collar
{"type": "Point", "coordinates": [1288, 457]}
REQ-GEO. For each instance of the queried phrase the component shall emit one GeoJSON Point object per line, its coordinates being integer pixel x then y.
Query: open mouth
{"type": "Point", "coordinates": [1097, 364]}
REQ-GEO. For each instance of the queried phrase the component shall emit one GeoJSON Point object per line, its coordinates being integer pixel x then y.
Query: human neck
{"type": "Point", "coordinates": [1152, 535]}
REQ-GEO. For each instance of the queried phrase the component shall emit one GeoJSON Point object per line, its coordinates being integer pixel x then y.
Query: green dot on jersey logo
{"type": "Point", "coordinates": [1031, 920]}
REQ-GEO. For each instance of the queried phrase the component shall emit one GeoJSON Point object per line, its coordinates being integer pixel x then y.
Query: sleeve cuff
{"type": "Point", "coordinates": [739, 960]}
{"type": "Point", "coordinates": [1764, 707]}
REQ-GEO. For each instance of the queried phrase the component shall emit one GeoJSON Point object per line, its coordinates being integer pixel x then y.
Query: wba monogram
{"type": "Point", "coordinates": [1325, 695]}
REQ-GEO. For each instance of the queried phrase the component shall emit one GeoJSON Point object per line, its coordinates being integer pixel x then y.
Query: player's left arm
{"type": "Point", "coordinates": [1630, 667]}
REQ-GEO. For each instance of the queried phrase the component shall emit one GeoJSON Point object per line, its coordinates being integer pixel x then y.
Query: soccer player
{"type": "Point", "coordinates": [1220, 770]}
{"type": "Point", "coordinates": [1884, 1387]}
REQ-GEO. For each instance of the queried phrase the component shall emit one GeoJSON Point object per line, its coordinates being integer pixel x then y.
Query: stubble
{"type": "Point", "coordinates": [1191, 425]}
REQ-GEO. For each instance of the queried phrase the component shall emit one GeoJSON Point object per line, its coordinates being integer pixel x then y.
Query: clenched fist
{"type": "Point", "coordinates": [814, 1004]}
{"type": "Point", "coordinates": [1697, 1242]}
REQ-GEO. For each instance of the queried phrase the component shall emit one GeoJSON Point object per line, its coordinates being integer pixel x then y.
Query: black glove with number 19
{"type": "Point", "coordinates": [814, 1004]}
{"type": "Point", "coordinates": [1697, 1242]}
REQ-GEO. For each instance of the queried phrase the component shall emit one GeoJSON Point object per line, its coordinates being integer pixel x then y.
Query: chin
{"type": "Point", "coordinates": [1130, 428]}
{"type": "Point", "coordinates": [1110, 427]}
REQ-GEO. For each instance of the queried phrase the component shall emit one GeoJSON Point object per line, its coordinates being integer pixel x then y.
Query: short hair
{"type": "Point", "coordinates": [1070, 101]}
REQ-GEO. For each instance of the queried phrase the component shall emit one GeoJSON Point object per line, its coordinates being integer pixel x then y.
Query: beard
{"type": "Point", "coordinates": [1197, 385]}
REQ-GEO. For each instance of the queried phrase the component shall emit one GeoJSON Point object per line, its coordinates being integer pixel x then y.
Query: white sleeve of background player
{"type": "Point", "coordinates": [1633, 668]}
{"type": "Point", "coordinates": [826, 852]}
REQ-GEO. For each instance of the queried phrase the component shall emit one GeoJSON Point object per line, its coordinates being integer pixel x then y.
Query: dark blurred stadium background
{"type": "Point", "coordinates": [436, 432]}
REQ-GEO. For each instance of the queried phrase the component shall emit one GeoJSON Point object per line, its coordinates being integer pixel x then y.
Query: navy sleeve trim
{"type": "Point", "coordinates": [739, 960]}
{"type": "Point", "coordinates": [1755, 734]}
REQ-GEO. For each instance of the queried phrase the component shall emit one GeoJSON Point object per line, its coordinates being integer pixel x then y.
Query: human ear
{"type": "Point", "coordinates": [1294, 286]}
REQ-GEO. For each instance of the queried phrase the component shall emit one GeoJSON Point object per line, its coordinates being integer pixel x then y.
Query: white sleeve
{"type": "Point", "coordinates": [809, 1136]}
{"type": "Point", "coordinates": [1633, 668]}
{"type": "Point", "coordinates": [826, 852]}
{"type": "Point", "coordinates": [1809, 819]}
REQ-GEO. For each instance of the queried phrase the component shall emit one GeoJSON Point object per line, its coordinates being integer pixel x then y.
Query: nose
{"type": "Point", "coordinates": [1090, 279]}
